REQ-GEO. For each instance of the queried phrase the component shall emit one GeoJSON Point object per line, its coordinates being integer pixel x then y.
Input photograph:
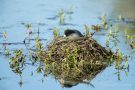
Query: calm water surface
{"type": "Point", "coordinates": [15, 12]}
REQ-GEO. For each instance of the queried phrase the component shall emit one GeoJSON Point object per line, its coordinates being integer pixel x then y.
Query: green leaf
{"type": "Point", "coordinates": [38, 69]}
{"type": "Point", "coordinates": [126, 73]}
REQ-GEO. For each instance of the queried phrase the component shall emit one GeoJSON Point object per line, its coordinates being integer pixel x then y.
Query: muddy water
{"type": "Point", "coordinates": [14, 13]}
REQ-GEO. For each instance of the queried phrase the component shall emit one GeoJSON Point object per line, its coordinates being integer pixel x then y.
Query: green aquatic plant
{"type": "Point", "coordinates": [118, 57]}
{"type": "Point", "coordinates": [86, 30]}
{"type": "Point", "coordinates": [39, 69]}
{"type": "Point", "coordinates": [108, 38]}
{"type": "Point", "coordinates": [5, 46]}
{"type": "Point", "coordinates": [7, 52]}
{"type": "Point", "coordinates": [132, 45]}
{"type": "Point", "coordinates": [97, 27]}
{"type": "Point", "coordinates": [113, 37]}
{"type": "Point", "coordinates": [55, 32]}
{"type": "Point", "coordinates": [72, 60]}
{"type": "Point", "coordinates": [4, 35]}
{"type": "Point", "coordinates": [104, 25]}
{"type": "Point", "coordinates": [120, 18]}
{"type": "Point", "coordinates": [17, 61]}
{"type": "Point", "coordinates": [61, 16]}
{"type": "Point", "coordinates": [5, 40]}
{"type": "Point", "coordinates": [104, 22]}
{"type": "Point", "coordinates": [121, 63]}
{"type": "Point", "coordinates": [38, 44]}
{"type": "Point", "coordinates": [130, 40]}
{"type": "Point", "coordinates": [29, 28]}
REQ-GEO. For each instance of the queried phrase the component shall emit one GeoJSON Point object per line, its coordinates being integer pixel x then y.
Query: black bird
{"type": "Point", "coordinates": [71, 33]}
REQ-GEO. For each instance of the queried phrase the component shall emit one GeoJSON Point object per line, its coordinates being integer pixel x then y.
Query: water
{"type": "Point", "coordinates": [15, 12]}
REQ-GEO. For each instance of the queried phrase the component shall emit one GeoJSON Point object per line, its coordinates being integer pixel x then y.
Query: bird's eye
{"type": "Point", "coordinates": [64, 35]}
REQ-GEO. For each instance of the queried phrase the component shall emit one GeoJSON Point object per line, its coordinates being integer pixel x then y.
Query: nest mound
{"type": "Point", "coordinates": [75, 60]}
{"type": "Point", "coordinates": [83, 48]}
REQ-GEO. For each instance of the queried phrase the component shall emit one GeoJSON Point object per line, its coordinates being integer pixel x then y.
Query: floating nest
{"type": "Point", "coordinates": [74, 61]}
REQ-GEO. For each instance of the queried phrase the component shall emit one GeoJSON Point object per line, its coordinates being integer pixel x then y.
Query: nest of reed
{"type": "Point", "coordinates": [75, 60]}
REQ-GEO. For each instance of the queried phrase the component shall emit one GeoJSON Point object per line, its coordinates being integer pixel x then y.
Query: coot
{"type": "Point", "coordinates": [71, 33]}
